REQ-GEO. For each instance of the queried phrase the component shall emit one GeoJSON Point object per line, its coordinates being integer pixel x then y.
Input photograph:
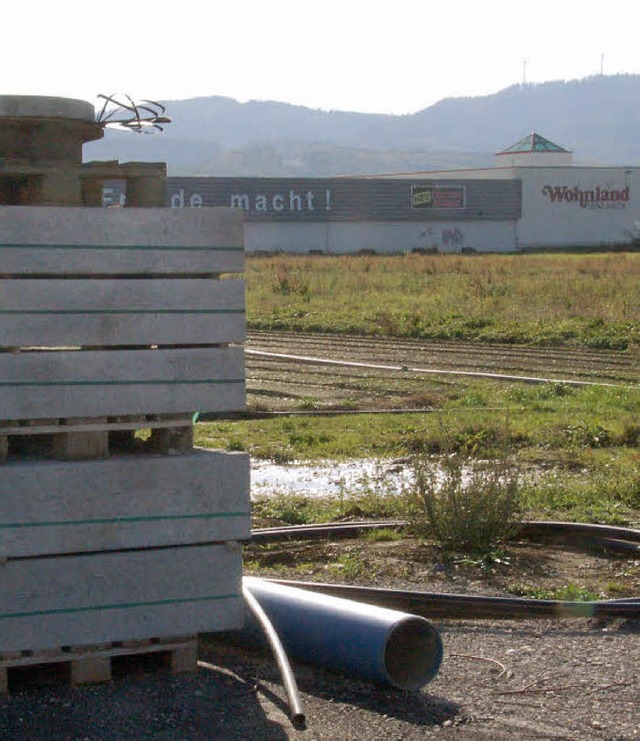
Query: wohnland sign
{"type": "Point", "coordinates": [598, 197]}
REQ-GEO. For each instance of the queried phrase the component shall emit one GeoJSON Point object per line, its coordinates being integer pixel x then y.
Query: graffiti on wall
{"type": "Point", "coordinates": [452, 237]}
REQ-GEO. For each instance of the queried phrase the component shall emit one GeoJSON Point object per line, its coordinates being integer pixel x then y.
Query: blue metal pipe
{"type": "Point", "coordinates": [369, 642]}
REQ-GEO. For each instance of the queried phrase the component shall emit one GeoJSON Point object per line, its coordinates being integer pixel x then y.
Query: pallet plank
{"type": "Point", "coordinates": [36, 385]}
{"type": "Point", "coordinates": [25, 428]}
{"type": "Point", "coordinates": [93, 663]}
{"type": "Point", "coordinates": [95, 598]}
{"type": "Point", "coordinates": [137, 501]}
{"type": "Point", "coordinates": [57, 312]}
{"type": "Point", "coordinates": [73, 241]}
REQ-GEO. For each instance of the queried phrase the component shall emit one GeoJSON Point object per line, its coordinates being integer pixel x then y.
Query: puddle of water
{"type": "Point", "coordinates": [329, 478]}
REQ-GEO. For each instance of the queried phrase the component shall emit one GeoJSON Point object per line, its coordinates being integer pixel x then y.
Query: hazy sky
{"type": "Point", "coordinates": [358, 55]}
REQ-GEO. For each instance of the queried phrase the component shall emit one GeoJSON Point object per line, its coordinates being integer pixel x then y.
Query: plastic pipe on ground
{"type": "Point", "coordinates": [369, 642]}
{"type": "Point", "coordinates": [288, 680]}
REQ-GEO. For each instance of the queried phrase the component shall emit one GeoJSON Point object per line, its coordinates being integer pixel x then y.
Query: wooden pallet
{"type": "Point", "coordinates": [94, 438]}
{"type": "Point", "coordinates": [91, 664]}
{"type": "Point", "coordinates": [114, 321]}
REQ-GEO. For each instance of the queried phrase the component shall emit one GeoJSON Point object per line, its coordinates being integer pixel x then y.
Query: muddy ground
{"type": "Point", "coordinates": [500, 679]}
{"type": "Point", "coordinates": [520, 568]}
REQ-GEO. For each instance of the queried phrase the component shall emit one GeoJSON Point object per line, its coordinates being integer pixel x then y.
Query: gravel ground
{"type": "Point", "coordinates": [499, 680]}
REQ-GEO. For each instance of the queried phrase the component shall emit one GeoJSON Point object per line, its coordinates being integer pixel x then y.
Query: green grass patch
{"type": "Point", "coordinates": [383, 535]}
{"type": "Point", "coordinates": [299, 509]}
{"type": "Point", "coordinates": [544, 422]}
{"type": "Point", "coordinates": [605, 490]}
{"type": "Point", "coordinates": [568, 593]}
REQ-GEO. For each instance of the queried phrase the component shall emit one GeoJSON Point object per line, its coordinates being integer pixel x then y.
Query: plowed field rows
{"type": "Point", "coordinates": [279, 383]}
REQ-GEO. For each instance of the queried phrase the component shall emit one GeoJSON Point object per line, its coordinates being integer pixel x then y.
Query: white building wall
{"type": "Point", "coordinates": [578, 206]}
{"type": "Point", "coordinates": [381, 237]}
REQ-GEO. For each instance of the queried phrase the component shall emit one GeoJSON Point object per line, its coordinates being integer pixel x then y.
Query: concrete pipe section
{"type": "Point", "coordinates": [369, 642]}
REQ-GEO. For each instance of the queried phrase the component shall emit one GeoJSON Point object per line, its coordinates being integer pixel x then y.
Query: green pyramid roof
{"type": "Point", "coordinates": [533, 143]}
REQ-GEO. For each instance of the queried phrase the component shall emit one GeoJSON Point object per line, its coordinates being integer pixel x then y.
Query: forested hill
{"type": "Point", "coordinates": [598, 118]}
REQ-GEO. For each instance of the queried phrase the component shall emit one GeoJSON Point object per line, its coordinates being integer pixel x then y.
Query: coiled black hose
{"type": "Point", "coordinates": [463, 606]}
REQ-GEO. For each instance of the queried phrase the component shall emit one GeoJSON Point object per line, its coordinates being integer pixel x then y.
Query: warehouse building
{"type": "Point", "coordinates": [533, 198]}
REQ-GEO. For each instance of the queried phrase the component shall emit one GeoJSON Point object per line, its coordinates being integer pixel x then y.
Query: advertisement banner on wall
{"type": "Point", "coordinates": [350, 199]}
{"type": "Point", "coordinates": [438, 196]}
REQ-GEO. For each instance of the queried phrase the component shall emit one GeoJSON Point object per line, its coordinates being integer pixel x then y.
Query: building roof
{"type": "Point", "coordinates": [533, 143]}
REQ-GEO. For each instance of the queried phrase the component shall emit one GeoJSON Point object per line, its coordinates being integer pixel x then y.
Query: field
{"type": "Point", "coordinates": [574, 319]}
{"type": "Point", "coordinates": [590, 300]}
{"type": "Point", "coordinates": [531, 361]}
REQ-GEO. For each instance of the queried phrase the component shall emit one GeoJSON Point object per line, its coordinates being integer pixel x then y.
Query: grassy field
{"type": "Point", "coordinates": [583, 443]}
{"type": "Point", "coordinates": [590, 300]}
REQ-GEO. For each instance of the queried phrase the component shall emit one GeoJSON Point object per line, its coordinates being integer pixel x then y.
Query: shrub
{"type": "Point", "coordinates": [586, 434]}
{"type": "Point", "coordinates": [464, 505]}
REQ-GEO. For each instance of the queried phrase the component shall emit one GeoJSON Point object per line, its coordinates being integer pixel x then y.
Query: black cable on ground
{"type": "Point", "coordinates": [462, 606]}
{"type": "Point", "coordinates": [471, 607]}
{"type": "Point", "coordinates": [586, 532]}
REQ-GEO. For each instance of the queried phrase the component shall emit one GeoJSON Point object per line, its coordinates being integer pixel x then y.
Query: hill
{"type": "Point", "coordinates": [597, 118]}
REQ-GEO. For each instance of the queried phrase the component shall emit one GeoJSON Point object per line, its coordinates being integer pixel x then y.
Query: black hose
{"type": "Point", "coordinates": [334, 529]}
{"type": "Point", "coordinates": [462, 606]}
{"type": "Point", "coordinates": [530, 528]}
{"type": "Point", "coordinates": [551, 527]}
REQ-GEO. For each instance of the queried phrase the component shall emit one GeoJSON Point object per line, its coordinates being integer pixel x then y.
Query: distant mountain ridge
{"type": "Point", "coordinates": [598, 118]}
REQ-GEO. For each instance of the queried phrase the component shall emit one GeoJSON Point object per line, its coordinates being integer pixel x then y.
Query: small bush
{"type": "Point", "coordinates": [586, 434]}
{"type": "Point", "coordinates": [464, 505]}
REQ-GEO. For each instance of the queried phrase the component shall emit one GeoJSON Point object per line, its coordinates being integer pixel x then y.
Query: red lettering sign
{"type": "Point", "coordinates": [597, 197]}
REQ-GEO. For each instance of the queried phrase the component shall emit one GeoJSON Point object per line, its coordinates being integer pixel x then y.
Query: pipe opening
{"type": "Point", "coordinates": [413, 653]}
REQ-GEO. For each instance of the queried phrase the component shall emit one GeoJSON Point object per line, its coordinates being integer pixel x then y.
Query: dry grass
{"type": "Point", "coordinates": [591, 300]}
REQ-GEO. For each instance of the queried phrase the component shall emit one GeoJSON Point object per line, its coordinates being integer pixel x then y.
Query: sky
{"type": "Point", "coordinates": [351, 55]}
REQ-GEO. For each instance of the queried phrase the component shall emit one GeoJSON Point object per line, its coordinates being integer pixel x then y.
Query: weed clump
{"type": "Point", "coordinates": [465, 506]}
